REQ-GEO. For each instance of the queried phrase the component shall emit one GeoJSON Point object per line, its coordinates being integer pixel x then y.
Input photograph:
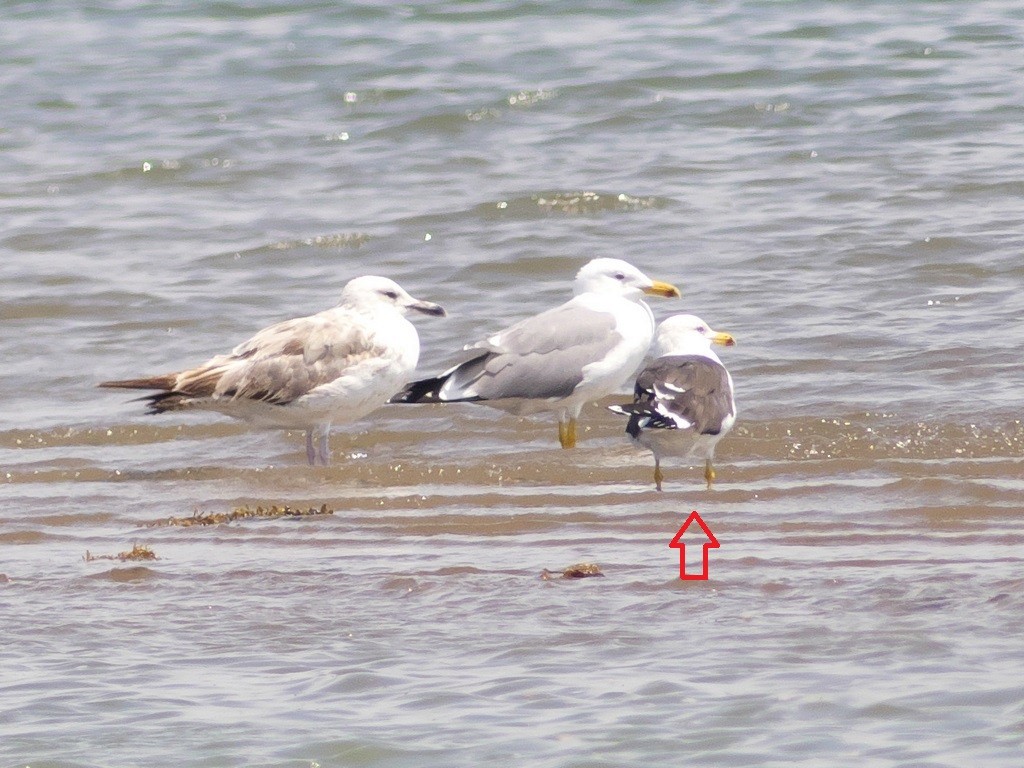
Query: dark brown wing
{"type": "Point", "coordinates": [681, 392]}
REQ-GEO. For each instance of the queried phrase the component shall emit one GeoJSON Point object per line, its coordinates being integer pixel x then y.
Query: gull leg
{"type": "Point", "coordinates": [658, 476]}
{"type": "Point", "coordinates": [324, 447]}
{"type": "Point", "coordinates": [570, 432]}
{"type": "Point", "coordinates": [310, 453]}
{"type": "Point", "coordinates": [563, 430]}
{"type": "Point", "coordinates": [709, 473]}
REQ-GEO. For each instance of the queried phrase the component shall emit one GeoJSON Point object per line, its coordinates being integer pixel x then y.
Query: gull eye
{"type": "Point", "coordinates": [701, 329]}
{"type": "Point", "coordinates": [393, 295]}
{"type": "Point", "coordinates": [619, 276]}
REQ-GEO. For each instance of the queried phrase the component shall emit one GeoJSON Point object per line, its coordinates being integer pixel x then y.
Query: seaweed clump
{"type": "Point", "coordinates": [577, 571]}
{"type": "Point", "coordinates": [244, 513]}
{"type": "Point", "coordinates": [137, 552]}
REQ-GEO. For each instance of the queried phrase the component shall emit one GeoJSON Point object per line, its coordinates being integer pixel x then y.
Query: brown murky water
{"type": "Point", "coordinates": [838, 188]}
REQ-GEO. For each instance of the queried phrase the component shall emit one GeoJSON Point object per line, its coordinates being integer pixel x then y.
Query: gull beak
{"type": "Point", "coordinates": [658, 288]}
{"type": "Point", "coordinates": [428, 308]}
{"type": "Point", "coordinates": [724, 339]}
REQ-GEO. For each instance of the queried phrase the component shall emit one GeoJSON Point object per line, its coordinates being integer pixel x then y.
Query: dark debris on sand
{"type": "Point", "coordinates": [137, 552]}
{"type": "Point", "coordinates": [577, 571]}
{"type": "Point", "coordinates": [243, 513]}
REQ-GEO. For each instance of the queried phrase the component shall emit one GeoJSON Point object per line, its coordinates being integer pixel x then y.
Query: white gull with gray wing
{"type": "Point", "coordinates": [562, 358]}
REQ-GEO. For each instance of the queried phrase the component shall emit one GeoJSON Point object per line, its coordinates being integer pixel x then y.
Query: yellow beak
{"type": "Point", "coordinates": [724, 339]}
{"type": "Point", "coordinates": [658, 288]}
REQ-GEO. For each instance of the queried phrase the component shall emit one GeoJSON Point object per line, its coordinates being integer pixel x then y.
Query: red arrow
{"type": "Point", "coordinates": [677, 543]}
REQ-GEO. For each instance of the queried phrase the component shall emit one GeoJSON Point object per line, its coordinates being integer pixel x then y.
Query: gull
{"type": "Point", "coordinates": [562, 358]}
{"type": "Point", "coordinates": [307, 373]}
{"type": "Point", "coordinates": [683, 401]}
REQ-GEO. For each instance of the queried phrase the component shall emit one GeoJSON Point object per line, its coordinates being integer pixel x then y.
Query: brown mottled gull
{"type": "Point", "coordinates": [308, 373]}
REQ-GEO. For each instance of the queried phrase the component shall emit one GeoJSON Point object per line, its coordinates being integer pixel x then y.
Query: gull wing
{"type": "Point", "coordinates": [543, 356]}
{"type": "Point", "coordinates": [682, 392]}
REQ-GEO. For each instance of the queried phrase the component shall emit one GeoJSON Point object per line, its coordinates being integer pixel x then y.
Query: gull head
{"type": "Point", "coordinates": [688, 334]}
{"type": "Point", "coordinates": [616, 277]}
{"type": "Point", "coordinates": [372, 292]}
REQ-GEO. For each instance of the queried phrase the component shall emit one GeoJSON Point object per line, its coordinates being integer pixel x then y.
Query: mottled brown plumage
{"type": "Point", "coordinates": [334, 366]}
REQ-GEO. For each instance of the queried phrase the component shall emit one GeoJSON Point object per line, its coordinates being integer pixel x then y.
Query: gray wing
{"type": "Point", "coordinates": [540, 357]}
{"type": "Point", "coordinates": [682, 392]}
{"type": "Point", "coordinates": [283, 362]}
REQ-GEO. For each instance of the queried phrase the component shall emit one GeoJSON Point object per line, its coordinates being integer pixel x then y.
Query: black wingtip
{"type": "Point", "coordinates": [635, 412]}
{"type": "Point", "coordinates": [422, 391]}
{"type": "Point", "coordinates": [161, 402]}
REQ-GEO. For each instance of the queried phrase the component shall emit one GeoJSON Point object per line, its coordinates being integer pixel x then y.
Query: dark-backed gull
{"type": "Point", "coordinates": [683, 401]}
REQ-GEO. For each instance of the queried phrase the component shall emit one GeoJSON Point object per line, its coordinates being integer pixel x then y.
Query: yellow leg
{"type": "Point", "coordinates": [567, 433]}
{"type": "Point", "coordinates": [709, 473]}
{"type": "Point", "coordinates": [658, 476]}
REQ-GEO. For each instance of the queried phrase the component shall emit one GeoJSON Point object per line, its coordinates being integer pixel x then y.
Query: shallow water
{"type": "Point", "coordinates": [838, 187]}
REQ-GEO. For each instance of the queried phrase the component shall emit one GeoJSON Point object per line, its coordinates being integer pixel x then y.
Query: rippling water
{"type": "Point", "coordinates": [838, 185]}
